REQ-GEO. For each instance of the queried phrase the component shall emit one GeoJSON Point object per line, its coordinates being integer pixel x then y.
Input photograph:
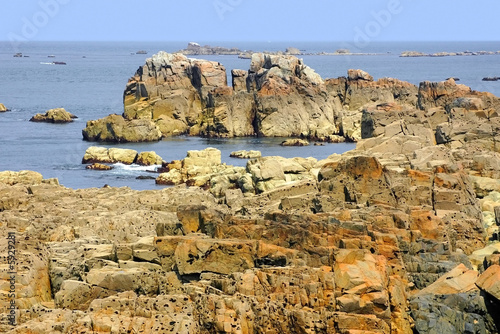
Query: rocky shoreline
{"type": "Point", "coordinates": [400, 235]}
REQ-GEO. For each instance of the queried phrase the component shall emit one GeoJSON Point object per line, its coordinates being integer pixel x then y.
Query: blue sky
{"type": "Point", "coordinates": [249, 20]}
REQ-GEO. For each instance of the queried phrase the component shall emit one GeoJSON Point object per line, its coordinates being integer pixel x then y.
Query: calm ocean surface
{"type": "Point", "coordinates": [91, 86]}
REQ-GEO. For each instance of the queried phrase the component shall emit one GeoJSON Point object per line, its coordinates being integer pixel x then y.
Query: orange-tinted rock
{"type": "Point", "coordinates": [489, 281]}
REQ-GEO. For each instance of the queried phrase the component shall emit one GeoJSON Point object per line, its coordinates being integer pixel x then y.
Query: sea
{"type": "Point", "coordinates": [91, 86]}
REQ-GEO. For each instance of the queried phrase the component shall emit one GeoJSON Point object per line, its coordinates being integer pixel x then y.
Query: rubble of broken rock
{"type": "Point", "coordinates": [399, 235]}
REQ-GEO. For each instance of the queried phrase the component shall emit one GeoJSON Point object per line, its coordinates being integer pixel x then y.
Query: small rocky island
{"type": "Point", "coordinates": [57, 115]}
{"type": "Point", "coordinates": [399, 235]}
{"type": "Point", "coordinates": [448, 54]}
{"type": "Point", "coordinates": [3, 108]}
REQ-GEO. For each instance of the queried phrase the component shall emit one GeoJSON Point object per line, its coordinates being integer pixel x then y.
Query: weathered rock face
{"type": "Point", "coordinates": [359, 91]}
{"type": "Point", "coordinates": [173, 88]}
{"type": "Point", "coordinates": [291, 98]}
{"type": "Point", "coordinates": [115, 128]}
{"type": "Point", "coordinates": [58, 115]}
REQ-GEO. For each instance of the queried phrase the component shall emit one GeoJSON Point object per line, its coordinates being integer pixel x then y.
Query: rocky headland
{"type": "Point", "coordinates": [399, 235]}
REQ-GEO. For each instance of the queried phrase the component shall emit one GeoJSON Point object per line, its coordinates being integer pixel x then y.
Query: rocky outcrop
{"type": "Point", "coordinates": [109, 155]}
{"type": "Point", "coordinates": [243, 154]}
{"type": "Point", "coordinates": [58, 115]}
{"type": "Point", "coordinates": [278, 96]}
{"type": "Point", "coordinates": [3, 108]}
{"type": "Point", "coordinates": [149, 158]}
{"type": "Point", "coordinates": [97, 155]}
{"type": "Point", "coordinates": [295, 142]}
{"type": "Point", "coordinates": [449, 95]}
{"type": "Point", "coordinates": [115, 128]}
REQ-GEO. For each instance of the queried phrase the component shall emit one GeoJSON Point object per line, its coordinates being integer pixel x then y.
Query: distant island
{"type": "Point", "coordinates": [195, 49]}
{"type": "Point", "coordinates": [448, 54]}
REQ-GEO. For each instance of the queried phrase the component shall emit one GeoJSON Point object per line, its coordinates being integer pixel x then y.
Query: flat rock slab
{"type": "Point", "coordinates": [489, 281]}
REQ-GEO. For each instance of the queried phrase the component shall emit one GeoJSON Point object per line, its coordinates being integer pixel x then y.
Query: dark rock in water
{"type": "Point", "coordinates": [141, 52]}
{"type": "Point", "coordinates": [145, 177]}
{"type": "Point", "coordinates": [58, 115]}
{"type": "Point", "coordinates": [491, 79]}
{"type": "Point", "coordinates": [454, 78]}
{"type": "Point", "coordinates": [18, 55]}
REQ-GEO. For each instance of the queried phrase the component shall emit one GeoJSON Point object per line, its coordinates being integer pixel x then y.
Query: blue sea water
{"type": "Point", "coordinates": [91, 86]}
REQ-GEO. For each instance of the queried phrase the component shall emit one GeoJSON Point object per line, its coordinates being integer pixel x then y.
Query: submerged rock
{"type": "Point", "coordinates": [58, 115]}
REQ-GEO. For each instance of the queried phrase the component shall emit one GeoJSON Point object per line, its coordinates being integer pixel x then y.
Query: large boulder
{"type": "Point", "coordinates": [21, 177]}
{"type": "Point", "coordinates": [149, 158]}
{"type": "Point", "coordinates": [112, 155]}
{"type": "Point", "coordinates": [115, 128]}
{"type": "Point", "coordinates": [58, 115]}
{"type": "Point", "coordinates": [489, 281]}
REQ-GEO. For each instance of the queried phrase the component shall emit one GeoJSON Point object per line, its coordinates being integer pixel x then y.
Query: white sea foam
{"type": "Point", "coordinates": [135, 167]}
